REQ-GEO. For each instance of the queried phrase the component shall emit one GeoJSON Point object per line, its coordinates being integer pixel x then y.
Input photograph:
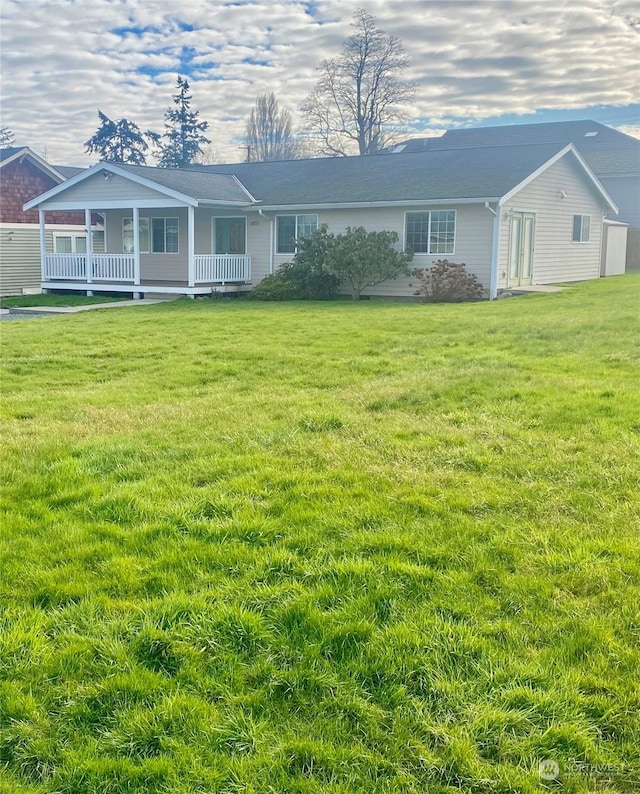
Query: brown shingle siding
{"type": "Point", "coordinates": [22, 181]}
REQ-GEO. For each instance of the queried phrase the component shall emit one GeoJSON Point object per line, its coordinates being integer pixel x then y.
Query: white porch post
{"type": "Point", "coordinates": [136, 246]}
{"type": "Point", "coordinates": [89, 253]}
{"type": "Point", "coordinates": [43, 247]}
{"type": "Point", "coordinates": [191, 242]}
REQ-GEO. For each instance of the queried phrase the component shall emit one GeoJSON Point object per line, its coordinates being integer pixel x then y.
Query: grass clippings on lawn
{"type": "Point", "coordinates": [342, 547]}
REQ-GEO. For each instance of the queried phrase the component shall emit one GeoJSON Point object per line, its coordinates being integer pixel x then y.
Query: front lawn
{"type": "Point", "coordinates": [342, 547]}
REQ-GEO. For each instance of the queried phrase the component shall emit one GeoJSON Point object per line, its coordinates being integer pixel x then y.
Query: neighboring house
{"type": "Point", "coordinates": [24, 175]}
{"type": "Point", "coordinates": [515, 216]}
{"type": "Point", "coordinates": [612, 156]}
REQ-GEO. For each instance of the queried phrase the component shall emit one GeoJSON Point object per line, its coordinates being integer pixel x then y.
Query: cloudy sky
{"type": "Point", "coordinates": [475, 62]}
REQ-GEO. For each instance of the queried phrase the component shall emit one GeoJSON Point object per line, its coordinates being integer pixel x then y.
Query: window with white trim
{"type": "Point", "coordinates": [70, 243]}
{"type": "Point", "coordinates": [430, 232]}
{"type": "Point", "coordinates": [127, 235]}
{"type": "Point", "coordinates": [581, 228]}
{"type": "Point", "coordinates": [164, 235]}
{"type": "Point", "coordinates": [290, 228]}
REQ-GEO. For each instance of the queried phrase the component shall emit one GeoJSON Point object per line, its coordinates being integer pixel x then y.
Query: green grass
{"type": "Point", "coordinates": [57, 300]}
{"type": "Point", "coordinates": [349, 547]}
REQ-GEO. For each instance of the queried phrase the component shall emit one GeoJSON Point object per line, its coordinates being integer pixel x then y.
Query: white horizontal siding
{"type": "Point", "coordinates": [257, 237]}
{"type": "Point", "coordinates": [474, 227]}
{"type": "Point", "coordinates": [19, 259]}
{"type": "Point", "coordinates": [96, 188]}
{"type": "Point", "coordinates": [556, 258]}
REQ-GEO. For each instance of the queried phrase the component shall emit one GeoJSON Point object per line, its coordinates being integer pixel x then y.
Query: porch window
{"type": "Point", "coordinates": [127, 235]}
{"type": "Point", "coordinates": [291, 228]}
{"type": "Point", "coordinates": [69, 243]}
{"type": "Point", "coordinates": [164, 235]}
{"type": "Point", "coordinates": [230, 236]}
{"type": "Point", "coordinates": [432, 232]}
{"type": "Point", "coordinates": [581, 228]}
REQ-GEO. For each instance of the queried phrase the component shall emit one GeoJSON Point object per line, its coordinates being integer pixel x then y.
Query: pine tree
{"type": "Point", "coordinates": [184, 134]}
{"type": "Point", "coordinates": [7, 138]}
{"type": "Point", "coordinates": [120, 141]}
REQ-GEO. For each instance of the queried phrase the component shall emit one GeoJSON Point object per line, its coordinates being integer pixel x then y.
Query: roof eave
{"type": "Point", "coordinates": [395, 203]}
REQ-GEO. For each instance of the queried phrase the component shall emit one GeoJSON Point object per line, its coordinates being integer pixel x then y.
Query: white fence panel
{"type": "Point", "coordinates": [113, 267]}
{"type": "Point", "coordinates": [222, 268]}
{"type": "Point", "coordinates": [65, 266]}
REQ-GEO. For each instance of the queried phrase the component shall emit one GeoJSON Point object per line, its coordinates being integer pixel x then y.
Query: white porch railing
{"type": "Point", "coordinates": [73, 266]}
{"type": "Point", "coordinates": [209, 268]}
{"type": "Point", "coordinates": [104, 267]}
{"type": "Point", "coordinates": [222, 268]}
{"type": "Point", "coordinates": [113, 267]}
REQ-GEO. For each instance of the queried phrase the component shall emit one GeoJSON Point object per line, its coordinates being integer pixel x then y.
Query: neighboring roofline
{"type": "Point", "coordinates": [559, 155]}
{"type": "Point", "coordinates": [357, 204]}
{"type": "Point", "coordinates": [112, 168]}
{"type": "Point", "coordinates": [25, 151]}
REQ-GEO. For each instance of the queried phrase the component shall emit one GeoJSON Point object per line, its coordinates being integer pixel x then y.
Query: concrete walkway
{"type": "Point", "coordinates": [84, 307]}
{"type": "Point", "coordinates": [536, 288]}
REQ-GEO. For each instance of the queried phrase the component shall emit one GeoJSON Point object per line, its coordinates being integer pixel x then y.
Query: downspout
{"type": "Point", "coordinates": [271, 246]}
{"type": "Point", "coordinates": [495, 249]}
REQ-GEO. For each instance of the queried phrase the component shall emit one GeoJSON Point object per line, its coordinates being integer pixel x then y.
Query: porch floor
{"type": "Point", "coordinates": [148, 287]}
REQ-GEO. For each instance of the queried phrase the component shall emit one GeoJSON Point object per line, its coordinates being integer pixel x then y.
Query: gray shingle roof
{"type": "Point", "coordinates": [198, 184]}
{"type": "Point", "coordinates": [68, 171]}
{"type": "Point", "coordinates": [424, 176]}
{"type": "Point", "coordinates": [608, 152]}
{"type": "Point", "coordinates": [9, 151]}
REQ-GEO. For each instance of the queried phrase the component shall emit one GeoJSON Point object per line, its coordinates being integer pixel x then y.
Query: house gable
{"type": "Point", "coordinates": [98, 191]}
{"type": "Point", "coordinates": [556, 196]}
{"type": "Point", "coordinates": [22, 179]}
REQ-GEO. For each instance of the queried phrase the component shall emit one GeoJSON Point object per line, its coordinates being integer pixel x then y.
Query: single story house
{"type": "Point", "coordinates": [23, 176]}
{"type": "Point", "coordinates": [613, 156]}
{"type": "Point", "coordinates": [515, 216]}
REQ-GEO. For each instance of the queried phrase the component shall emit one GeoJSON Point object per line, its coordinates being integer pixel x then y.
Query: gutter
{"type": "Point", "coordinates": [359, 204]}
{"type": "Point", "coordinates": [495, 248]}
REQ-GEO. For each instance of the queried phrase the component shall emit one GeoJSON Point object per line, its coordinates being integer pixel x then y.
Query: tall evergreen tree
{"type": "Point", "coordinates": [184, 134]}
{"type": "Point", "coordinates": [120, 141]}
{"type": "Point", "coordinates": [7, 138]}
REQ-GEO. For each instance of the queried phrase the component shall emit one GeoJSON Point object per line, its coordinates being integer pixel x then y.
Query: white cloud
{"type": "Point", "coordinates": [470, 58]}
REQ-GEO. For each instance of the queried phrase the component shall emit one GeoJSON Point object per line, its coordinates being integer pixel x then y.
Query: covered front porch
{"type": "Point", "coordinates": [156, 239]}
{"type": "Point", "coordinates": [107, 272]}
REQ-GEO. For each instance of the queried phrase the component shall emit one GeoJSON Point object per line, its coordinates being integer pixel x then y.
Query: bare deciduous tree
{"type": "Point", "coordinates": [360, 94]}
{"type": "Point", "coordinates": [269, 132]}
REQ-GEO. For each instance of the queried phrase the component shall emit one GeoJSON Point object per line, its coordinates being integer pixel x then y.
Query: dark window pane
{"type": "Point", "coordinates": [286, 234]}
{"type": "Point", "coordinates": [157, 235]}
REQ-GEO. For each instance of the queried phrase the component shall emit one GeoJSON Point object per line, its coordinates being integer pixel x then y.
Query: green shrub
{"type": "Point", "coordinates": [363, 259]}
{"type": "Point", "coordinates": [305, 278]}
{"type": "Point", "coordinates": [447, 282]}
